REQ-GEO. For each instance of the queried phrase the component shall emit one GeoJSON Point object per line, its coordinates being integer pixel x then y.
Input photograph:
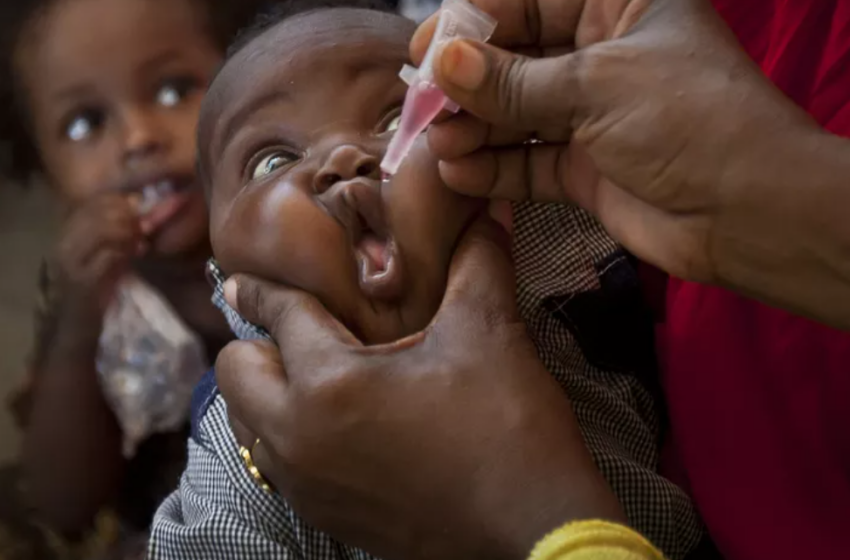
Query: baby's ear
{"type": "Point", "coordinates": [201, 177]}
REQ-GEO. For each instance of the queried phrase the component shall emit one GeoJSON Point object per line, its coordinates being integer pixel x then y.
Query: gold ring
{"type": "Point", "coordinates": [248, 458]}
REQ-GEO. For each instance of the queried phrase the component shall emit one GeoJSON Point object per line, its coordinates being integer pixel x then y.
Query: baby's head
{"type": "Point", "coordinates": [291, 137]}
{"type": "Point", "coordinates": [104, 95]}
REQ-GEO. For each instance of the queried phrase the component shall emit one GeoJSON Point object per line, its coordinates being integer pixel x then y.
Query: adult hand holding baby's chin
{"type": "Point", "coordinates": [650, 116]}
{"type": "Point", "coordinates": [452, 443]}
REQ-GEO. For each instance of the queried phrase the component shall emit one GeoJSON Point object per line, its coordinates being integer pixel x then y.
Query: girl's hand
{"type": "Point", "coordinates": [99, 240]}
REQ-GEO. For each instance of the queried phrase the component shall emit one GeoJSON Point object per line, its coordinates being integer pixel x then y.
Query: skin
{"type": "Point", "coordinates": [474, 361]}
{"type": "Point", "coordinates": [297, 169]}
{"type": "Point", "coordinates": [665, 131]}
{"type": "Point", "coordinates": [681, 148]}
{"type": "Point", "coordinates": [112, 107]}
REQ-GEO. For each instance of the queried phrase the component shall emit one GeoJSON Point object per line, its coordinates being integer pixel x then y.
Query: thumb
{"type": "Point", "coordinates": [295, 319]}
{"type": "Point", "coordinates": [481, 274]}
{"type": "Point", "coordinates": [508, 89]}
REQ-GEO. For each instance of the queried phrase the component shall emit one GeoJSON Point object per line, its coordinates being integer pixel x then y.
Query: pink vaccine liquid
{"type": "Point", "coordinates": [422, 104]}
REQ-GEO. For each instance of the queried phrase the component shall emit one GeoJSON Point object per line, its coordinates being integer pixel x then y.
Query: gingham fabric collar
{"type": "Point", "coordinates": [242, 329]}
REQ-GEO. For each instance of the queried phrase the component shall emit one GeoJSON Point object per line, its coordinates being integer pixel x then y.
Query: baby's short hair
{"type": "Point", "coordinates": [279, 12]}
{"type": "Point", "coordinates": [274, 14]}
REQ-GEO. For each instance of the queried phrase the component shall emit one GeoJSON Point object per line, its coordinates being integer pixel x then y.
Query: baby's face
{"type": "Point", "coordinates": [292, 135]}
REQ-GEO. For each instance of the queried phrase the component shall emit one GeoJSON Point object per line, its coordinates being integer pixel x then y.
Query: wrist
{"type": "Point", "coordinates": [570, 488]}
{"type": "Point", "coordinates": [76, 325]}
{"type": "Point", "coordinates": [784, 234]}
{"type": "Point", "coordinates": [594, 539]}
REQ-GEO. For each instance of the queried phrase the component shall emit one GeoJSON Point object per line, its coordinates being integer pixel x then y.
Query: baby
{"type": "Point", "coordinates": [291, 135]}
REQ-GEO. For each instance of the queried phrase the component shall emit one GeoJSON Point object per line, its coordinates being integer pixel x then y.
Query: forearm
{"type": "Point", "coordinates": [72, 446]}
{"type": "Point", "coordinates": [786, 238]}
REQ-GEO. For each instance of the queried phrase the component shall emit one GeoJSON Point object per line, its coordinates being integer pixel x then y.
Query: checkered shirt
{"type": "Point", "coordinates": [561, 253]}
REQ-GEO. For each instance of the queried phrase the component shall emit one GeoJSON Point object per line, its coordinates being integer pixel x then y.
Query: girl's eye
{"type": "Point", "coordinates": [271, 163]}
{"type": "Point", "coordinates": [175, 91]}
{"type": "Point", "coordinates": [82, 126]}
{"type": "Point", "coordinates": [79, 129]}
{"type": "Point", "coordinates": [168, 96]}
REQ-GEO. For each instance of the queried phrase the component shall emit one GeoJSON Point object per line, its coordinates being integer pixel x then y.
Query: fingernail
{"type": "Point", "coordinates": [463, 65]}
{"type": "Point", "coordinates": [230, 291]}
{"type": "Point", "coordinates": [502, 212]}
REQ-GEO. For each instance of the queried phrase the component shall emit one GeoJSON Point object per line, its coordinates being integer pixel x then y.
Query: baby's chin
{"type": "Point", "coordinates": [385, 324]}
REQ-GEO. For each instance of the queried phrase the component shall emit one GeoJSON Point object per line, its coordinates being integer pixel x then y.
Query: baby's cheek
{"type": "Point", "coordinates": [281, 235]}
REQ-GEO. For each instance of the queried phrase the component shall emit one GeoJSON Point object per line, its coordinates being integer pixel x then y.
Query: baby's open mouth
{"type": "Point", "coordinates": [377, 262]}
{"type": "Point", "coordinates": [358, 204]}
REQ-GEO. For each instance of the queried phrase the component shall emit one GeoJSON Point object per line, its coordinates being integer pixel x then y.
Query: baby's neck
{"type": "Point", "coordinates": [165, 272]}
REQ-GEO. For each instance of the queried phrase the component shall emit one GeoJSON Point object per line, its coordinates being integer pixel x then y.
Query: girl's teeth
{"type": "Point", "coordinates": [150, 198]}
{"type": "Point", "coordinates": [154, 194]}
{"type": "Point", "coordinates": [164, 188]}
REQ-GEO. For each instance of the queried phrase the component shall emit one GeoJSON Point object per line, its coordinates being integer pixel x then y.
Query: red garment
{"type": "Point", "coordinates": [759, 399]}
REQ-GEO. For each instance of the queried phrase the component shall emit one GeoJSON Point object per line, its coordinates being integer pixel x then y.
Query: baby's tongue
{"type": "Point", "coordinates": [376, 251]}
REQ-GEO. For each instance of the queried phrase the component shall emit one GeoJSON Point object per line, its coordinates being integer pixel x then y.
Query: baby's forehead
{"type": "Point", "coordinates": [287, 54]}
{"type": "Point", "coordinates": [308, 42]}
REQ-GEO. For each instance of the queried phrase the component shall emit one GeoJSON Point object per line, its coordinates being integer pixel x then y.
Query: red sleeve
{"type": "Point", "coordinates": [804, 47]}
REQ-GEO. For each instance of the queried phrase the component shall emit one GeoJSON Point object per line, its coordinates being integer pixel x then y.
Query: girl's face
{"type": "Point", "coordinates": [113, 90]}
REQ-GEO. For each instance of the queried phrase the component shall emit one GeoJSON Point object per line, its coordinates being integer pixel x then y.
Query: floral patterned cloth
{"type": "Point", "coordinates": [120, 531]}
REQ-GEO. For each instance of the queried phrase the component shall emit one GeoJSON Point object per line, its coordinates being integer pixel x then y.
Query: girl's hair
{"type": "Point", "coordinates": [19, 159]}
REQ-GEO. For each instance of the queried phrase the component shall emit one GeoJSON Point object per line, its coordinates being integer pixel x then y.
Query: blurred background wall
{"type": "Point", "coordinates": [27, 228]}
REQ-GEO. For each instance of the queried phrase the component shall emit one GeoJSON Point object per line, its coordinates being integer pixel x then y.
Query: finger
{"type": "Point", "coordinates": [123, 242]}
{"type": "Point", "coordinates": [654, 235]}
{"type": "Point", "coordinates": [112, 205]}
{"type": "Point", "coordinates": [253, 381]}
{"type": "Point", "coordinates": [248, 439]}
{"type": "Point", "coordinates": [502, 213]}
{"type": "Point", "coordinates": [528, 172]}
{"type": "Point", "coordinates": [114, 228]}
{"type": "Point", "coordinates": [522, 23]}
{"type": "Point", "coordinates": [422, 39]}
{"type": "Point", "coordinates": [245, 437]}
{"type": "Point", "coordinates": [481, 275]}
{"type": "Point", "coordinates": [263, 462]}
{"type": "Point", "coordinates": [463, 134]}
{"type": "Point", "coordinates": [106, 264]}
{"type": "Point", "coordinates": [294, 318]}
{"type": "Point", "coordinates": [506, 89]}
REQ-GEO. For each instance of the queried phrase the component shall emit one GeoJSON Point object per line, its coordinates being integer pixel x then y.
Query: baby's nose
{"type": "Point", "coordinates": [345, 163]}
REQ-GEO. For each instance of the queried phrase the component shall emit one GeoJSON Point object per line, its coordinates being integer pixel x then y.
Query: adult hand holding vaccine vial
{"type": "Point", "coordinates": [424, 100]}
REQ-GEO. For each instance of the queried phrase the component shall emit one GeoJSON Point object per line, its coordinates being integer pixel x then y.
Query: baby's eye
{"type": "Point", "coordinates": [83, 125]}
{"type": "Point", "coordinates": [392, 126]}
{"type": "Point", "coordinates": [174, 91]}
{"type": "Point", "coordinates": [271, 163]}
